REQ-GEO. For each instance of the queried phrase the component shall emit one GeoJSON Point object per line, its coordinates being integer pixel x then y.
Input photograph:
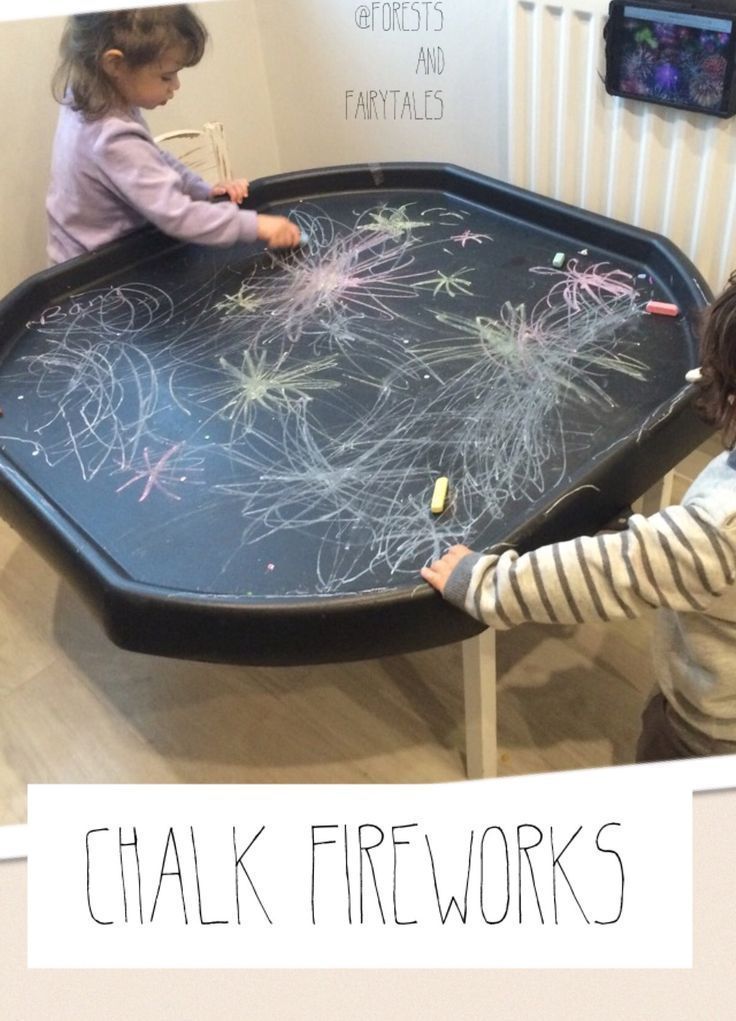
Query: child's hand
{"type": "Point", "coordinates": [278, 232]}
{"type": "Point", "coordinates": [438, 572]}
{"type": "Point", "coordinates": [237, 190]}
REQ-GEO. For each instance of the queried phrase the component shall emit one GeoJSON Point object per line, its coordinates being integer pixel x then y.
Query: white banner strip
{"type": "Point", "coordinates": [585, 869]}
{"type": "Point", "coordinates": [13, 842]}
{"type": "Point", "coordinates": [13, 10]}
{"type": "Point", "coordinates": [707, 774]}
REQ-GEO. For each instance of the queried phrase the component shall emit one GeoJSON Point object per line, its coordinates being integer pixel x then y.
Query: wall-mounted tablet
{"type": "Point", "coordinates": [676, 54]}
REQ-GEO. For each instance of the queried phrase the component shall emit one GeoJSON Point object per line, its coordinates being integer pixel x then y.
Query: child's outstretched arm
{"type": "Point", "coordinates": [235, 190]}
{"type": "Point", "coordinates": [438, 573]}
{"type": "Point", "coordinates": [192, 184]}
{"type": "Point", "coordinates": [680, 558]}
{"type": "Point", "coordinates": [195, 185]}
{"type": "Point", "coordinates": [198, 188]}
{"type": "Point", "coordinates": [277, 231]}
{"type": "Point", "coordinates": [130, 163]}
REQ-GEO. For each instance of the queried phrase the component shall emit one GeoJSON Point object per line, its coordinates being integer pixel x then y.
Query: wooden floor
{"type": "Point", "coordinates": [75, 709]}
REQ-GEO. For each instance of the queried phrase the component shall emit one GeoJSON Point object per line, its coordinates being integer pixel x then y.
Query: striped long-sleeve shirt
{"type": "Point", "coordinates": [680, 562]}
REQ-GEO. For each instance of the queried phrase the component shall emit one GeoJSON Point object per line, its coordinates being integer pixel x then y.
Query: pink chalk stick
{"type": "Point", "coordinates": [662, 308]}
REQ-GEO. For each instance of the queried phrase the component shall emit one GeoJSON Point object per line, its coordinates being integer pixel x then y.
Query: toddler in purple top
{"type": "Point", "coordinates": [108, 176]}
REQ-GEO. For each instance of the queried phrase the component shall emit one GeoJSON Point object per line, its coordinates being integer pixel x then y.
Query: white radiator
{"type": "Point", "coordinates": [670, 171]}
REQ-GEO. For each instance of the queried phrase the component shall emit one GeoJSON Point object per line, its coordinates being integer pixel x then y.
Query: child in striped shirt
{"type": "Point", "coordinates": [680, 561]}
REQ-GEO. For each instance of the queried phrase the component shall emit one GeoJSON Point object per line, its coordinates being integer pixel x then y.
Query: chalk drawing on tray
{"type": "Point", "coordinates": [262, 382]}
{"type": "Point", "coordinates": [157, 474]}
{"type": "Point", "coordinates": [449, 283]}
{"type": "Point", "coordinates": [318, 394]}
{"type": "Point", "coordinates": [469, 235]}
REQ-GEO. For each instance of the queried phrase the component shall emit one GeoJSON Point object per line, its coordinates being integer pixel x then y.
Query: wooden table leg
{"type": "Point", "coordinates": [479, 679]}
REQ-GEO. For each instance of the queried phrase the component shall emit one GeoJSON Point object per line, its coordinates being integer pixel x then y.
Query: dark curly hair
{"type": "Point", "coordinates": [717, 387]}
{"type": "Point", "coordinates": [142, 35]}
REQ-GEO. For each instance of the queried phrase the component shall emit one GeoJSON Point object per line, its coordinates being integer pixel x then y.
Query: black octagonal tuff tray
{"type": "Point", "coordinates": [232, 453]}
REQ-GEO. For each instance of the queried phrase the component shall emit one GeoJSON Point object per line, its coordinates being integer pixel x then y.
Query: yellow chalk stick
{"type": "Point", "coordinates": [439, 496]}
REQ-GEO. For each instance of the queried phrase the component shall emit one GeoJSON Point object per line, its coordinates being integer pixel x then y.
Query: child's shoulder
{"type": "Point", "coordinates": [71, 119]}
{"type": "Point", "coordinates": [714, 490]}
{"type": "Point", "coordinates": [103, 132]}
{"type": "Point", "coordinates": [117, 121]}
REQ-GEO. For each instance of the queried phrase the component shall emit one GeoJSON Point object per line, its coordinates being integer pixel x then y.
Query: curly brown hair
{"type": "Point", "coordinates": [141, 34]}
{"type": "Point", "coordinates": [717, 387]}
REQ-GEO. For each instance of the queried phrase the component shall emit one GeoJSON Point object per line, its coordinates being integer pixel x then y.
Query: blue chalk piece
{"type": "Point", "coordinates": [559, 260]}
{"type": "Point", "coordinates": [304, 239]}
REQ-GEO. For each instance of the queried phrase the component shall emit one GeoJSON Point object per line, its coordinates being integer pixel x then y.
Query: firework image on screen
{"type": "Point", "coordinates": [674, 58]}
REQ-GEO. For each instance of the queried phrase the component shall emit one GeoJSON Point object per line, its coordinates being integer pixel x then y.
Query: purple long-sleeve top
{"type": "Point", "coordinates": [108, 177]}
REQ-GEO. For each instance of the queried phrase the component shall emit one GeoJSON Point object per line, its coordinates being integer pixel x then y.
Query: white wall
{"type": "Point", "coordinates": [229, 85]}
{"type": "Point", "coordinates": [668, 170]}
{"type": "Point", "coordinates": [28, 50]}
{"type": "Point", "coordinates": [316, 55]}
